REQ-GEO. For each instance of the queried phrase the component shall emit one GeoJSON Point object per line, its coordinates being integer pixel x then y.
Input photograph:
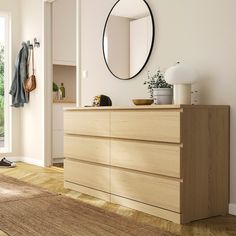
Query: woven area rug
{"type": "Point", "coordinates": [33, 211]}
{"type": "Point", "coordinates": [13, 190]}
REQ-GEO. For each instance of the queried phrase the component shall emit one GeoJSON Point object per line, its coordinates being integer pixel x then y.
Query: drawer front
{"type": "Point", "coordinates": [146, 125]}
{"type": "Point", "coordinates": [88, 175]}
{"type": "Point", "coordinates": [152, 190]}
{"type": "Point", "coordinates": [163, 159]}
{"type": "Point", "coordinates": [95, 123]}
{"type": "Point", "coordinates": [87, 149]}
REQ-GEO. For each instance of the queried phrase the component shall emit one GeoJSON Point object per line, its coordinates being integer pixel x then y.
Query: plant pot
{"type": "Point", "coordinates": [55, 96]}
{"type": "Point", "coordinates": [163, 96]}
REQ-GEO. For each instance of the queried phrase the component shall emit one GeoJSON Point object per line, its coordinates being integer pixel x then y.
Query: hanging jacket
{"type": "Point", "coordinates": [19, 95]}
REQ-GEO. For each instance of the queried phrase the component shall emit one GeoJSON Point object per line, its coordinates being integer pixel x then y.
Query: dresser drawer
{"type": "Point", "coordinates": [87, 149]}
{"type": "Point", "coordinates": [161, 126]}
{"type": "Point", "coordinates": [95, 123]}
{"type": "Point", "coordinates": [163, 159]}
{"type": "Point", "coordinates": [87, 175]}
{"type": "Point", "coordinates": [152, 190]}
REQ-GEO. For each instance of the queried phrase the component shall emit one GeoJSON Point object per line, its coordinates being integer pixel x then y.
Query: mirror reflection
{"type": "Point", "coordinates": [128, 38]}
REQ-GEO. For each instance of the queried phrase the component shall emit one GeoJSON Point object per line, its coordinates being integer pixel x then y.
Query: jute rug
{"type": "Point", "coordinates": [31, 211]}
{"type": "Point", "coordinates": [13, 190]}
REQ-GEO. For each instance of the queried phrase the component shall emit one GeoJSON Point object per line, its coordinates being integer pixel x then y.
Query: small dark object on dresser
{"type": "Point", "coordinates": [102, 101]}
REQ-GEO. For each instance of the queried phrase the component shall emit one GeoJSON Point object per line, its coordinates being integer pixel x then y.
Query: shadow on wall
{"type": "Point", "coordinates": [201, 88]}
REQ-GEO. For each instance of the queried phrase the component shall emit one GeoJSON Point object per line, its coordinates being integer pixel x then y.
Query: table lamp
{"type": "Point", "coordinates": [182, 77]}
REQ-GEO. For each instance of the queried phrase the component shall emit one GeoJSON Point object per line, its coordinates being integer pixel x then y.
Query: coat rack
{"type": "Point", "coordinates": [36, 44]}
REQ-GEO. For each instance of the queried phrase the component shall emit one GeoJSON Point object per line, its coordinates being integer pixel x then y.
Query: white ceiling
{"type": "Point", "coordinates": [133, 9]}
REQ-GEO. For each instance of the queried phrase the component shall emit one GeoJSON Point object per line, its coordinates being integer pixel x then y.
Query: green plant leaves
{"type": "Point", "coordinates": [156, 80]}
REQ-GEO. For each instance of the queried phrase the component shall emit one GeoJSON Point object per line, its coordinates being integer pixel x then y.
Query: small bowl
{"type": "Point", "coordinates": [142, 102]}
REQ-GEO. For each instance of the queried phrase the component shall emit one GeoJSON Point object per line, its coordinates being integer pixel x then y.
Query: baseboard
{"type": "Point", "coordinates": [26, 160]}
{"type": "Point", "coordinates": [13, 159]}
{"type": "Point", "coordinates": [232, 209]}
{"type": "Point", "coordinates": [32, 161]}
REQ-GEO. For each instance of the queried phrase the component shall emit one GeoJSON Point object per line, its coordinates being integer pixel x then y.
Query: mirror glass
{"type": "Point", "coordinates": [128, 38]}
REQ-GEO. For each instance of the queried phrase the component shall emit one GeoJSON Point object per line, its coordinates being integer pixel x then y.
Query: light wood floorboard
{"type": "Point", "coordinates": [52, 179]}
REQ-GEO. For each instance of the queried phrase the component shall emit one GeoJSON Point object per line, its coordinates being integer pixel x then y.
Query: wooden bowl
{"type": "Point", "coordinates": [142, 102]}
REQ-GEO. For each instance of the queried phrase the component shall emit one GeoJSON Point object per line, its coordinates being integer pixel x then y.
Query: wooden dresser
{"type": "Point", "coordinates": [169, 161]}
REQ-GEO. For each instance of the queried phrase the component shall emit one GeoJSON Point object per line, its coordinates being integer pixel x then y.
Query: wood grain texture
{"type": "Point", "coordinates": [88, 175]}
{"type": "Point", "coordinates": [176, 159]}
{"type": "Point", "coordinates": [159, 212]}
{"type": "Point", "coordinates": [87, 123]}
{"type": "Point", "coordinates": [152, 190]}
{"type": "Point", "coordinates": [87, 149]}
{"type": "Point", "coordinates": [89, 191]}
{"type": "Point", "coordinates": [146, 107]}
{"type": "Point", "coordinates": [162, 159]}
{"type": "Point", "coordinates": [52, 179]}
{"type": "Point", "coordinates": [205, 158]}
{"type": "Point", "coordinates": [163, 126]}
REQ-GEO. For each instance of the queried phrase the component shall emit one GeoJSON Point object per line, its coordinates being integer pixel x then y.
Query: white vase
{"type": "Point", "coordinates": [163, 96]}
{"type": "Point", "coordinates": [55, 96]}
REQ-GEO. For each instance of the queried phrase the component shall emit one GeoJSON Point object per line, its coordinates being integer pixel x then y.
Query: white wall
{"type": "Point", "coordinates": [198, 32]}
{"type": "Point", "coordinates": [32, 115]}
{"type": "Point", "coordinates": [27, 129]}
{"type": "Point", "coordinates": [100, 80]}
{"type": "Point", "coordinates": [12, 7]}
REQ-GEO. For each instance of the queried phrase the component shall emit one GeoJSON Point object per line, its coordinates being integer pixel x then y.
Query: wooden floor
{"type": "Point", "coordinates": [52, 179]}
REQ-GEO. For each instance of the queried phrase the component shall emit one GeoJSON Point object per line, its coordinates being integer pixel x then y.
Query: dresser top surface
{"type": "Point", "coordinates": [150, 107]}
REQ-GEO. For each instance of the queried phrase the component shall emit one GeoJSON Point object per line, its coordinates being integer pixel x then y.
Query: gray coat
{"type": "Point", "coordinates": [19, 95]}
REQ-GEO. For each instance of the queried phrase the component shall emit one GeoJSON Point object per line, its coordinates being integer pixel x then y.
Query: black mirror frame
{"type": "Point", "coordinates": [152, 44]}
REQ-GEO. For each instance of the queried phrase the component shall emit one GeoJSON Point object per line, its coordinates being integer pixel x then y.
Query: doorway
{"type": "Point", "coordinates": [61, 64]}
{"type": "Point", "coordinates": [5, 110]}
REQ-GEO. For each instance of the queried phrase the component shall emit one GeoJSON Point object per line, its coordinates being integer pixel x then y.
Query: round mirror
{"type": "Point", "coordinates": [128, 38]}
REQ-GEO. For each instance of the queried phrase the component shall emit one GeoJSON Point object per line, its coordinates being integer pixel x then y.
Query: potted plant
{"type": "Point", "coordinates": [159, 89]}
{"type": "Point", "coordinates": [55, 90]}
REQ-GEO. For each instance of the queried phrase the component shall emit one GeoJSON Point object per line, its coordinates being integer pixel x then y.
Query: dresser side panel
{"type": "Point", "coordinates": [205, 135]}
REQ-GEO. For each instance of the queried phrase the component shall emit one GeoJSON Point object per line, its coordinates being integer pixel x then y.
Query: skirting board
{"type": "Point", "coordinates": [232, 209]}
{"type": "Point", "coordinates": [32, 161]}
{"type": "Point", "coordinates": [13, 159]}
{"type": "Point", "coordinates": [25, 160]}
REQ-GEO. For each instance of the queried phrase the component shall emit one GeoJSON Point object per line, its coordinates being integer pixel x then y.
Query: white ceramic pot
{"type": "Point", "coordinates": [55, 95]}
{"type": "Point", "coordinates": [163, 96]}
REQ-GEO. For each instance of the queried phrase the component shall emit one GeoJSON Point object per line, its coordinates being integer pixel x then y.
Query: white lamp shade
{"type": "Point", "coordinates": [181, 74]}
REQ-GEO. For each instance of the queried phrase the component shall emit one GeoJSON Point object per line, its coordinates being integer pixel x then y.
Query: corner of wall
{"type": "Point", "coordinates": [232, 209]}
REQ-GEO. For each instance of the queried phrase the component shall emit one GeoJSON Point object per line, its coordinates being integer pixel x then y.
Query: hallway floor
{"type": "Point", "coordinates": [52, 179]}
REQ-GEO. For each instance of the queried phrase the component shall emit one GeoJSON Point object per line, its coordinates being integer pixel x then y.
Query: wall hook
{"type": "Point", "coordinates": [36, 43]}
{"type": "Point", "coordinates": [30, 46]}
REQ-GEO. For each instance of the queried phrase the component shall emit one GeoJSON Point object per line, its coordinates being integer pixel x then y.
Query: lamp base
{"type": "Point", "coordinates": [182, 94]}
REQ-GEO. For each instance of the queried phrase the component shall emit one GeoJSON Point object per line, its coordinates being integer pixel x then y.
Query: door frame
{"type": "Point", "coordinates": [7, 80]}
{"type": "Point", "coordinates": [48, 74]}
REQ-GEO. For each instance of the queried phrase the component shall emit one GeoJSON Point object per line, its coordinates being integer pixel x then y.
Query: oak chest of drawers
{"type": "Point", "coordinates": [169, 161]}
